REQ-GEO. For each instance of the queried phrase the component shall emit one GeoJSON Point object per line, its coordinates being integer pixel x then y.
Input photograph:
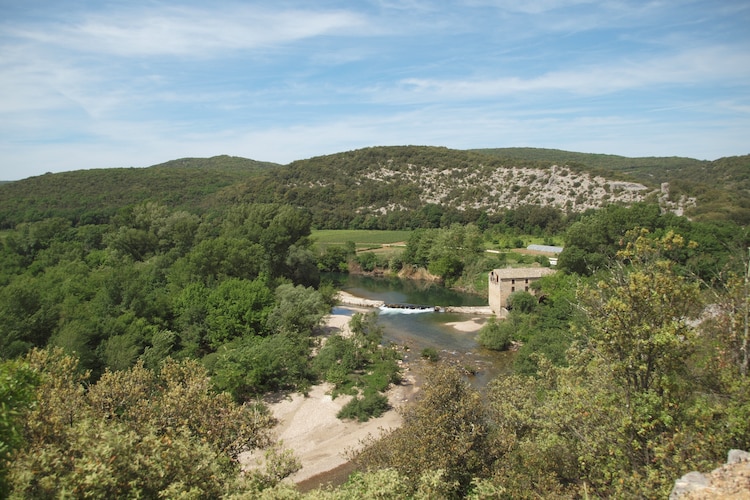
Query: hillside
{"type": "Point", "coordinates": [720, 188]}
{"type": "Point", "coordinates": [373, 182]}
{"type": "Point", "coordinates": [393, 183]}
{"type": "Point", "coordinates": [93, 195]}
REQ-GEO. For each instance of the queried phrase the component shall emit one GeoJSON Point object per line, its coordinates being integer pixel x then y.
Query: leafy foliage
{"type": "Point", "coordinates": [496, 335]}
{"type": "Point", "coordinates": [133, 433]}
{"type": "Point", "coordinates": [157, 282]}
{"type": "Point", "coordinates": [371, 405]}
{"type": "Point", "coordinates": [444, 252]}
{"type": "Point", "coordinates": [359, 365]}
{"type": "Point", "coordinates": [17, 387]}
{"type": "Point", "coordinates": [593, 242]}
{"type": "Point", "coordinates": [93, 196]}
{"type": "Point", "coordinates": [639, 317]}
{"type": "Point", "coordinates": [446, 430]}
{"type": "Point", "coordinates": [250, 367]}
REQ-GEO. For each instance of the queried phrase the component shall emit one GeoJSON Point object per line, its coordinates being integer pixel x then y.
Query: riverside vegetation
{"type": "Point", "coordinates": [137, 339]}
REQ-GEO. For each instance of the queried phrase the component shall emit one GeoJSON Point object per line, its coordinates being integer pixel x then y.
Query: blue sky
{"type": "Point", "coordinates": [91, 84]}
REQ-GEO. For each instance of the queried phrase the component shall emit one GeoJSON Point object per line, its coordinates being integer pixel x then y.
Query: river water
{"type": "Point", "coordinates": [418, 330]}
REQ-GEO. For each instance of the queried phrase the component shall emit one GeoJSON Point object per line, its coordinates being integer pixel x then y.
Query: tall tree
{"type": "Point", "coordinates": [639, 317]}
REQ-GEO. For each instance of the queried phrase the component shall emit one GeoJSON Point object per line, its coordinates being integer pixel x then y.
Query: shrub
{"type": "Point", "coordinates": [371, 405]}
{"type": "Point", "coordinates": [522, 302]}
{"type": "Point", "coordinates": [430, 354]}
{"type": "Point", "coordinates": [496, 335]}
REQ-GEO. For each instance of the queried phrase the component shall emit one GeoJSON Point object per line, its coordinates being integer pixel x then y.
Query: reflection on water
{"type": "Point", "coordinates": [398, 291]}
{"type": "Point", "coordinates": [418, 329]}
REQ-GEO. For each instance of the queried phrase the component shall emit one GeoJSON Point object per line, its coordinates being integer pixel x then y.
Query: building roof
{"type": "Point", "coordinates": [545, 248]}
{"type": "Point", "coordinates": [522, 272]}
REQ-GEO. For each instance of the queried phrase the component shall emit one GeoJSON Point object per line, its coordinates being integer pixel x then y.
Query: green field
{"type": "Point", "coordinates": [361, 237]}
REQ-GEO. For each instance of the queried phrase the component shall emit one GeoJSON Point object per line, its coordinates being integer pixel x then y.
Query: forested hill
{"type": "Point", "coordinates": [91, 196]}
{"type": "Point", "coordinates": [390, 187]}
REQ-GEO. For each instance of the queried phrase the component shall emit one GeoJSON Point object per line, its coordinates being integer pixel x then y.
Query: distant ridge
{"type": "Point", "coordinates": [393, 181]}
{"type": "Point", "coordinates": [92, 195]}
{"type": "Point", "coordinates": [642, 169]}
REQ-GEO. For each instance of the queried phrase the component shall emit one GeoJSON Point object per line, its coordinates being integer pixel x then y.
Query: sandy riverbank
{"type": "Point", "coordinates": [308, 424]}
{"type": "Point", "coordinates": [472, 325]}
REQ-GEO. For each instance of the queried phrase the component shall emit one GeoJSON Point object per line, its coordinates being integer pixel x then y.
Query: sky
{"type": "Point", "coordinates": [98, 83]}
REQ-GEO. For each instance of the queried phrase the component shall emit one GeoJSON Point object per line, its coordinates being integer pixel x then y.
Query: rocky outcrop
{"type": "Point", "coordinates": [730, 481]}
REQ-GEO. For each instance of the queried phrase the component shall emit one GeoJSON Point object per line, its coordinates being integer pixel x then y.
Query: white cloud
{"type": "Point", "coordinates": [531, 6]}
{"type": "Point", "coordinates": [190, 32]}
{"type": "Point", "coordinates": [692, 67]}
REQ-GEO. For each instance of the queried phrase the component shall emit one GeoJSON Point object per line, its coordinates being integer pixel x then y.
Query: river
{"type": "Point", "coordinates": [429, 329]}
{"type": "Point", "coordinates": [420, 330]}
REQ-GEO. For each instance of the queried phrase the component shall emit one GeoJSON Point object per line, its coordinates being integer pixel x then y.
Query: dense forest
{"type": "Point", "coordinates": [137, 334]}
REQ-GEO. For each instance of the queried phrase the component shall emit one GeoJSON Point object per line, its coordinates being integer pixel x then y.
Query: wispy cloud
{"type": "Point", "coordinates": [531, 6]}
{"type": "Point", "coordinates": [194, 32]}
{"type": "Point", "coordinates": [699, 66]}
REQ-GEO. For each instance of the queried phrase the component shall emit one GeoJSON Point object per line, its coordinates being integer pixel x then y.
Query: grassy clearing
{"type": "Point", "coordinates": [361, 237]}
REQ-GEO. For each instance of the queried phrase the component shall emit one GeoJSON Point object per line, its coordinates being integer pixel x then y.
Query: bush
{"type": "Point", "coordinates": [551, 343]}
{"type": "Point", "coordinates": [430, 354]}
{"type": "Point", "coordinates": [522, 302]}
{"type": "Point", "coordinates": [368, 261]}
{"type": "Point", "coordinates": [384, 373]}
{"type": "Point", "coordinates": [496, 335]}
{"type": "Point", "coordinates": [372, 405]}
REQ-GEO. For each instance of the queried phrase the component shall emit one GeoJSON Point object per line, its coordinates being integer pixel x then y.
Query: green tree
{"type": "Point", "coordinates": [732, 325]}
{"type": "Point", "coordinates": [335, 258]}
{"type": "Point", "coordinates": [17, 387]}
{"type": "Point", "coordinates": [134, 433]}
{"type": "Point", "coordinates": [639, 317]}
{"type": "Point", "coordinates": [445, 430]}
{"type": "Point", "coordinates": [252, 366]}
{"type": "Point", "coordinates": [496, 335]}
{"type": "Point", "coordinates": [27, 315]}
{"type": "Point", "coordinates": [418, 247]}
{"type": "Point", "coordinates": [297, 310]}
{"type": "Point", "coordinates": [595, 239]}
{"type": "Point", "coordinates": [523, 302]}
{"type": "Point", "coordinates": [237, 308]}
{"type": "Point", "coordinates": [167, 400]}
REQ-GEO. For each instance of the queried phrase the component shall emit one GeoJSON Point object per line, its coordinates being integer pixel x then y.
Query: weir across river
{"type": "Point", "coordinates": [348, 299]}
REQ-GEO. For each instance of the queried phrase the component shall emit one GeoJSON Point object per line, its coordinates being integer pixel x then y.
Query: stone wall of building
{"type": "Point", "coordinates": [503, 282]}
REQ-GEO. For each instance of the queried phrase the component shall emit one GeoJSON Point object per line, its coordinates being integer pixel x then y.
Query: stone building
{"type": "Point", "coordinates": [503, 282]}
